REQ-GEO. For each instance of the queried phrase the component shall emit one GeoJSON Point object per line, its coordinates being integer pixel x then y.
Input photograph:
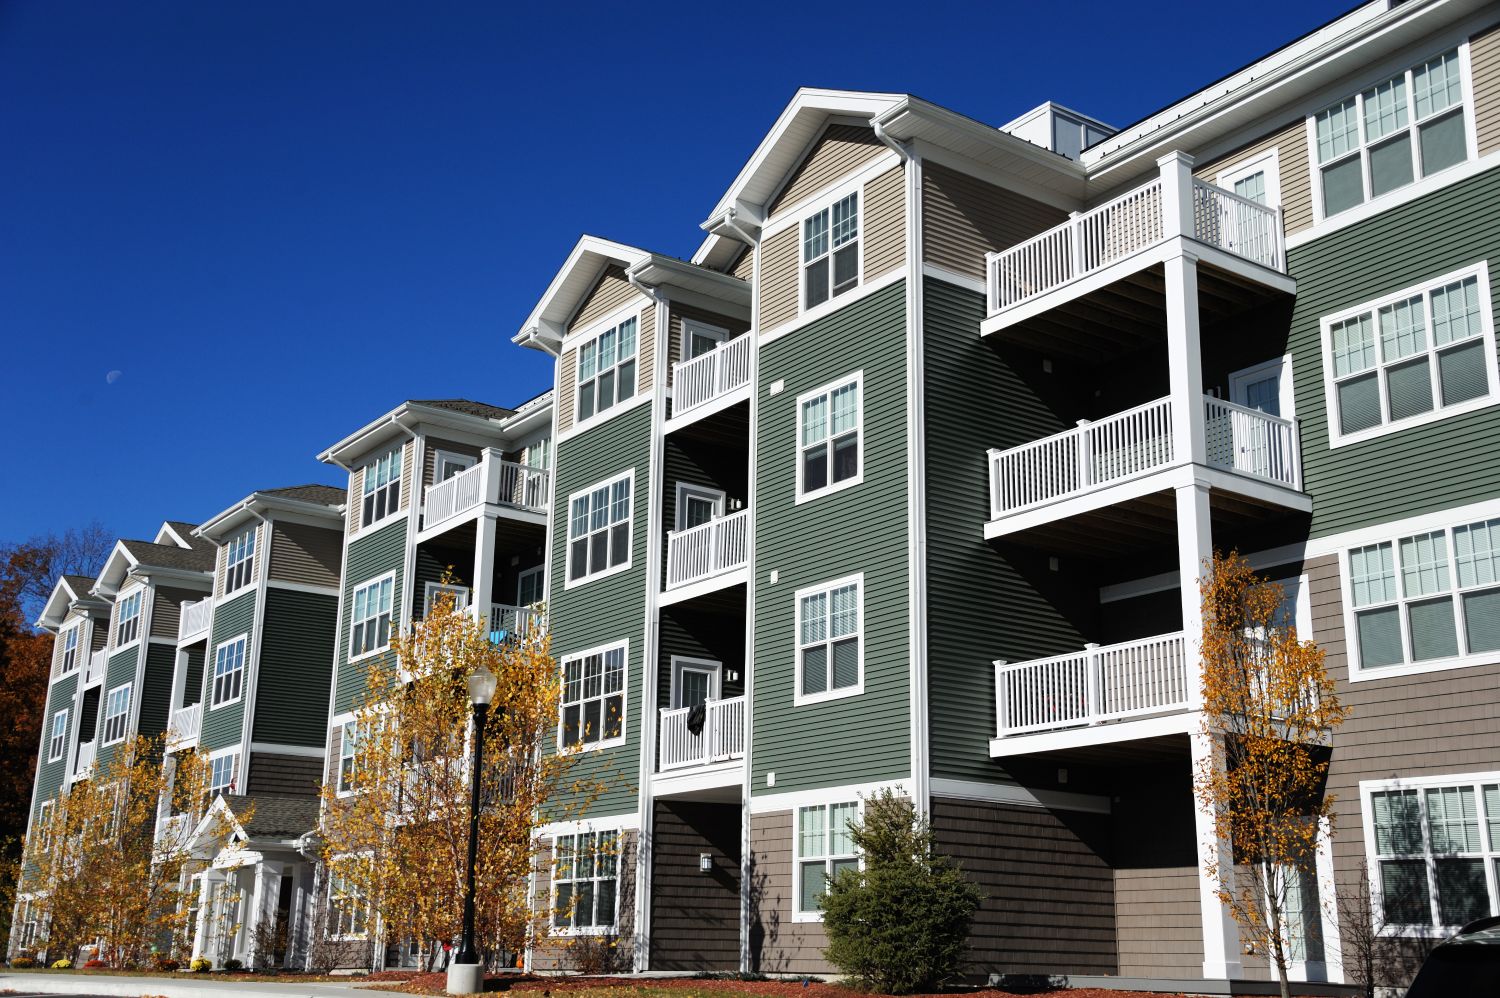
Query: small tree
{"type": "Point", "coordinates": [899, 925]}
{"type": "Point", "coordinates": [1269, 703]}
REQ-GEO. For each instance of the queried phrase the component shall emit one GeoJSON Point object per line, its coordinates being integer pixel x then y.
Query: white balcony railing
{"type": "Point", "coordinates": [195, 618]}
{"type": "Point", "coordinates": [87, 752]}
{"type": "Point", "coordinates": [708, 549]}
{"type": "Point", "coordinates": [508, 621]}
{"type": "Point", "coordinates": [98, 665]}
{"type": "Point", "coordinates": [711, 375]}
{"type": "Point", "coordinates": [1096, 454]}
{"type": "Point", "coordinates": [1099, 684]}
{"type": "Point", "coordinates": [721, 738]}
{"type": "Point", "coordinates": [185, 726]}
{"type": "Point", "coordinates": [492, 480]}
{"type": "Point", "coordinates": [173, 830]}
{"type": "Point", "coordinates": [1134, 221]}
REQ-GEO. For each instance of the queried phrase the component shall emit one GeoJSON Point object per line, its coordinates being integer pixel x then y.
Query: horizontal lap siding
{"type": "Point", "coordinates": [552, 953]}
{"type": "Point", "coordinates": [296, 668]}
{"type": "Point", "coordinates": [224, 726]}
{"type": "Point", "coordinates": [166, 610]}
{"type": "Point", "coordinates": [567, 388]}
{"type": "Point", "coordinates": [778, 279]}
{"type": "Point", "coordinates": [121, 670]}
{"type": "Point", "coordinates": [310, 556]}
{"type": "Point", "coordinates": [864, 737]}
{"type": "Point", "coordinates": [1484, 59]}
{"type": "Point", "coordinates": [1442, 464]}
{"type": "Point", "coordinates": [156, 697]}
{"type": "Point", "coordinates": [884, 223]}
{"type": "Point", "coordinates": [695, 916]}
{"type": "Point", "coordinates": [50, 775]}
{"type": "Point", "coordinates": [645, 364]}
{"type": "Point", "coordinates": [744, 267]}
{"type": "Point", "coordinates": [964, 218]}
{"type": "Point", "coordinates": [1155, 859]}
{"type": "Point", "coordinates": [612, 293]}
{"type": "Point", "coordinates": [839, 151]}
{"type": "Point", "coordinates": [369, 557]}
{"type": "Point", "coordinates": [1290, 143]}
{"type": "Point", "coordinates": [779, 945]}
{"type": "Point", "coordinates": [609, 609]}
{"type": "Point", "coordinates": [284, 775]}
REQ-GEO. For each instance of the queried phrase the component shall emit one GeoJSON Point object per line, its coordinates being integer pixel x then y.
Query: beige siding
{"type": "Point", "coordinates": [675, 318]}
{"type": "Point", "coordinates": [964, 218]}
{"type": "Point", "coordinates": [885, 222]}
{"type": "Point", "coordinates": [778, 279]}
{"type": "Point", "coordinates": [1160, 933]}
{"type": "Point", "coordinates": [784, 946]}
{"type": "Point", "coordinates": [611, 293]}
{"type": "Point", "coordinates": [429, 456]}
{"type": "Point", "coordinates": [221, 559]}
{"type": "Point", "coordinates": [839, 151]}
{"type": "Point", "coordinates": [645, 363]}
{"type": "Point", "coordinates": [1484, 58]}
{"type": "Point", "coordinates": [1290, 142]}
{"type": "Point", "coordinates": [554, 954]}
{"type": "Point", "coordinates": [99, 636]}
{"type": "Point", "coordinates": [567, 388]}
{"type": "Point", "coordinates": [744, 267]}
{"type": "Point", "coordinates": [408, 455]}
{"type": "Point", "coordinates": [166, 610]}
{"type": "Point", "coordinates": [307, 555]}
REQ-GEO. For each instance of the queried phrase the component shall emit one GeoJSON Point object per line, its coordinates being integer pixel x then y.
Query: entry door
{"type": "Point", "coordinates": [694, 681]}
{"type": "Point", "coordinates": [529, 586]}
{"type": "Point", "coordinates": [699, 339]}
{"type": "Point", "coordinates": [1259, 387]}
{"type": "Point", "coordinates": [447, 464]}
{"type": "Point", "coordinates": [697, 505]}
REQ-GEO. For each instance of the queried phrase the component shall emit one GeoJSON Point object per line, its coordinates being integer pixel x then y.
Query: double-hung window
{"type": "Point", "coordinates": [70, 650]}
{"type": "Point", "coordinates": [1436, 851]}
{"type": "Point", "coordinates": [128, 626]}
{"type": "Point", "coordinates": [229, 671]}
{"type": "Point", "coordinates": [371, 630]}
{"type": "Point", "coordinates": [830, 251]}
{"type": "Point", "coordinates": [585, 880]}
{"type": "Point", "coordinates": [825, 847]}
{"type": "Point", "coordinates": [348, 747]}
{"type": "Point", "coordinates": [830, 436]}
{"type": "Point", "coordinates": [599, 523]}
{"type": "Point", "coordinates": [606, 369]}
{"type": "Point", "coordinates": [58, 738]}
{"type": "Point", "coordinates": [830, 653]}
{"type": "Point", "coordinates": [1424, 353]}
{"type": "Point", "coordinates": [221, 773]}
{"type": "Point", "coordinates": [382, 487]}
{"type": "Point", "coordinates": [116, 714]}
{"type": "Point", "coordinates": [239, 558]}
{"type": "Point", "coordinates": [348, 907]}
{"type": "Point", "coordinates": [593, 697]}
{"type": "Point", "coordinates": [1428, 598]}
{"type": "Point", "coordinates": [1387, 136]}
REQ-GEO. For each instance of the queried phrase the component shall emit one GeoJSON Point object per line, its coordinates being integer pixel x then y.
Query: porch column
{"type": "Point", "coordinates": [483, 590]}
{"type": "Point", "coordinates": [205, 913]}
{"type": "Point", "coordinates": [1185, 360]}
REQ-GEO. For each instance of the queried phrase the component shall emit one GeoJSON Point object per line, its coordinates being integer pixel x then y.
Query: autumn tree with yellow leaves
{"type": "Point", "coordinates": [396, 817]}
{"type": "Point", "coordinates": [1269, 706]}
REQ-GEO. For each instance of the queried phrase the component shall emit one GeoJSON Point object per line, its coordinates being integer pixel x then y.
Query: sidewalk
{"type": "Point", "coordinates": [171, 987]}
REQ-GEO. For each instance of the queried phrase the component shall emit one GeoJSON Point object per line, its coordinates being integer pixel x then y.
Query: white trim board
{"type": "Point", "coordinates": [791, 800]}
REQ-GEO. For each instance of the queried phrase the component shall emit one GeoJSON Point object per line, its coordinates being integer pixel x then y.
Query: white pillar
{"type": "Point", "coordinates": [1221, 936]}
{"type": "Point", "coordinates": [1185, 360]}
{"type": "Point", "coordinates": [205, 913]}
{"type": "Point", "coordinates": [483, 590]}
{"type": "Point", "coordinates": [1333, 943]}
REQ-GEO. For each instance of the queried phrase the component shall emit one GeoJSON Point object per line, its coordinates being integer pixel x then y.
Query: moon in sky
{"type": "Point", "coordinates": [112, 377]}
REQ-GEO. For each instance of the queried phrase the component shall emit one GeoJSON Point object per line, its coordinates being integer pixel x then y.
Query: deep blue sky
{"type": "Point", "coordinates": [276, 220]}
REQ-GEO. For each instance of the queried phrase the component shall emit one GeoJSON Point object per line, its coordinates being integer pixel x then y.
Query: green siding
{"type": "Point", "coordinates": [612, 608]}
{"type": "Point", "coordinates": [121, 670]}
{"type": "Point", "coordinates": [983, 602]}
{"type": "Point", "coordinates": [370, 556]}
{"type": "Point", "coordinates": [295, 669]}
{"type": "Point", "coordinates": [156, 696]}
{"type": "Point", "coordinates": [1443, 464]}
{"type": "Point", "coordinates": [860, 529]}
{"type": "Point", "coordinates": [225, 726]}
{"type": "Point", "coordinates": [50, 775]}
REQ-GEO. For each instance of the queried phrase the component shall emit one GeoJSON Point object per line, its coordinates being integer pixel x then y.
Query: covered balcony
{"type": "Point", "coordinates": [716, 549]}
{"type": "Point", "coordinates": [507, 621]}
{"type": "Point", "coordinates": [711, 381]}
{"type": "Point", "coordinates": [709, 733]}
{"type": "Point", "coordinates": [184, 727]}
{"type": "Point", "coordinates": [193, 623]}
{"type": "Point", "coordinates": [492, 480]}
{"type": "Point", "coordinates": [87, 752]}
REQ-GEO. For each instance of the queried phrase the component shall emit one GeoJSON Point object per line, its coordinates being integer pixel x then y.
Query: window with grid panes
{"type": "Point", "coordinates": [229, 671]}
{"type": "Point", "coordinates": [1437, 853]}
{"type": "Point", "coordinates": [599, 523]}
{"type": "Point", "coordinates": [58, 738]}
{"type": "Point", "coordinates": [828, 639]}
{"type": "Point", "coordinates": [128, 627]}
{"type": "Point", "coordinates": [593, 697]}
{"type": "Point", "coordinates": [382, 487]}
{"type": "Point", "coordinates": [585, 880]}
{"type": "Point", "coordinates": [239, 557]}
{"type": "Point", "coordinates": [606, 369]}
{"type": "Point", "coordinates": [348, 745]}
{"type": "Point", "coordinates": [830, 251]}
{"type": "Point", "coordinates": [116, 714]}
{"type": "Point", "coordinates": [371, 617]}
{"type": "Point", "coordinates": [348, 908]}
{"type": "Point", "coordinates": [221, 773]}
{"type": "Point", "coordinates": [70, 650]}
{"type": "Point", "coordinates": [825, 848]}
{"type": "Point", "coordinates": [830, 430]}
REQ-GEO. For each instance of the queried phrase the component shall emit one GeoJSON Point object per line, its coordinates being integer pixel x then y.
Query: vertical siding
{"type": "Point", "coordinates": [311, 556]}
{"type": "Point", "coordinates": [839, 151]}
{"type": "Point", "coordinates": [1484, 60]}
{"type": "Point", "coordinates": [778, 279]}
{"type": "Point", "coordinates": [864, 737]}
{"type": "Point", "coordinates": [964, 218]}
{"type": "Point", "coordinates": [779, 945]}
{"type": "Point", "coordinates": [679, 312]}
{"type": "Point", "coordinates": [370, 556]}
{"type": "Point", "coordinates": [224, 726]}
{"type": "Point", "coordinates": [695, 916]}
{"type": "Point", "coordinates": [296, 666]}
{"type": "Point", "coordinates": [1290, 142]}
{"type": "Point", "coordinates": [884, 223]}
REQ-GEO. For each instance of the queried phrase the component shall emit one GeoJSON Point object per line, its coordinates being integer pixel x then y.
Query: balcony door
{"type": "Point", "coordinates": [699, 338]}
{"type": "Point", "coordinates": [698, 504]}
{"type": "Point", "coordinates": [1266, 388]}
{"type": "Point", "coordinates": [694, 681]}
{"type": "Point", "coordinates": [446, 464]}
{"type": "Point", "coordinates": [434, 590]}
{"type": "Point", "coordinates": [529, 587]}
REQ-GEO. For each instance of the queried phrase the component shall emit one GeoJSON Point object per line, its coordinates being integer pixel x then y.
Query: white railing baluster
{"type": "Point", "coordinates": [518, 485]}
{"type": "Point", "coordinates": [722, 737]}
{"type": "Point", "coordinates": [711, 375]}
{"type": "Point", "coordinates": [1252, 442]}
{"type": "Point", "coordinates": [708, 549]}
{"type": "Point", "coordinates": [194, 618]}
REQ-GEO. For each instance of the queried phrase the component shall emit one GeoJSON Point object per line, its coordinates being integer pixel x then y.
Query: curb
{"type": "Point", "coordinates": [169, 987]}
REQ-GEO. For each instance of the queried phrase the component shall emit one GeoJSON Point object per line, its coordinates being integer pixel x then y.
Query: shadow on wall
{"type": "Point", "coordinates": [765, 918]}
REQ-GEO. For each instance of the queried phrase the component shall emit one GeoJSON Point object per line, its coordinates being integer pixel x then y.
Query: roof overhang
{"type": "Point", "coordinates": [121, 567]}
{"type": "Point", "coordinates": [257, 505]}
{"type": "Point", "coordinates": [117, 569]}
{"type": "Point", "coordinates": [693, 285]}
{"type": "Point", "coordinates": [402, 423]}
{"type": "Point", "coordinates": [531, 416]}
{"type": "Point", "coordinates": [65, 596]}
{"type": "Point", "coordinates": [169, 534]}
{"type": "Point", "coordinates": [545, 326]}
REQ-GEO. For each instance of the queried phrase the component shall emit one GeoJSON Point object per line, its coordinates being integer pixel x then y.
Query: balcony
{"type": "Point", "coordinates": [98, 664]}
{"type": "Point", "coordinates": [185, 726]}
{"type": "Point", "coordinates": [714, 377]}
{"type": "Point", "coordinates": [720, 739]}
{"type": "Point", "coordinates": [174, 830]}
{"type": "Point", "coordinates": [1104, 693]}
{"type": "Point", "coordinates": [507, 621]}
{"type": "Point", "coordinates": [494, 481]}
{"type": "Point", "coordinates": [710, 552]}
{"type": "Point", "coordinates": [87, 752]}
{"type": "Point", "coordinates": [193, 623]}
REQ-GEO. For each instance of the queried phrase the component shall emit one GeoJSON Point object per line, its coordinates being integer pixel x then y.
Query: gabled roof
{"type": "Point", "coordinates": [327, 495]}
{"type": "Point", "coordinates": [324, 504]}
{"type": "Point", "coordinates": [274, 817]}
{"type": "Point", "coordinates": [131, 556]}
{"type": "Point", "coordinates": [483, 409]}
{"type": "Point", "coordinates": [178, 532]}
{"type": "Point", "coordinates": [68, 590]}
{"type": "Point", "coordinates": [459, 414]}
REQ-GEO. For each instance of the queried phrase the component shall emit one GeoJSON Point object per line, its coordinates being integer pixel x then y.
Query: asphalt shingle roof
{"type": "Point", "coordinates": [328, 495]}
{"type": "Point", "coordinates": [198, 558]}
{"type": "Point", "coordinates": [468, 408]}
{"type": "Point", "coordinates": [275, 817]}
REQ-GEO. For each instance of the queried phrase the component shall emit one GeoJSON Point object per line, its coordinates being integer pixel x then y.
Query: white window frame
{"type": "Point", "coordinates": [857, 378]}
{"type": "Point", "coordinates": [798, 915]}
{"type": "Point", "coordinates": [554, 880]}
{"type": "Point", "coordinates": [431, 591]}
{"type": "Point", "coordinates": [1404, 69]}
{"type": "Point", "coordinates": [109, 715]}
{"type": "Point", "coordinates": [387, 493]}
{"type": "Point", "coordinates": [215, 763]}
{"type": "Point", "coordinates": [714, 667]}
{"type": "Point", "coordinates": [826, 588]}
{"type": "Point", "coordinates": [607, 484]}
{"type": "Point", "coordinates": [1454, 591]}
{"type": "Point", "coordinates": [1268, 162]}
{"type": "Point", "coordinates": [441, 458]}
{"type": "Point", "coordinates": [591, 336]}
{"type": "Point", "coordinates": [348, 740]}
{"type": "Point", "coordinates": [71, 639]}
{"type": "Point", "coordinates": [535, 571]}
{"type": "Point", "coordinates": [691, 326]}
{"type": "Point", "coordinates": [1336, 438]}
{"type": "Point", "coordinates": [335, 912]}
{"type": "Point", "coordinates": [226, 649]}
{"type": "Point", "coordinates": [57, 738]}
{"type": "Point", "coordinates": [687, 489]}
{"type": "Point", "coordinates": [1255, 372]}
{"type": "Point", "coordinates": [1421, 784]}
{"type": "Point", "coordinates": [135, 601]}
{"type": "Point", "coordinates": [239, 561]}
{"type": "Point", "coordinates": [623, 647]}
{"type": "Point", "coordinates": [391, 624]}
{"type": "Point", "coordinates": [826, 205]}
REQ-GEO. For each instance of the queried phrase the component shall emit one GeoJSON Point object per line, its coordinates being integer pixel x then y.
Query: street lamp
{"type": "Point", "coordinates": [466, 973]}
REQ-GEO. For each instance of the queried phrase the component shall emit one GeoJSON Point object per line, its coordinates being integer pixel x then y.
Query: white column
{"type": "Point", "coordinates": [1333, 943]}
{"type": "Point", "coordinates": [205, 913]}
{"type": "Point", "coordinates": [483, 592]}
{"type": "Point", "coordinates": [1185, 360]}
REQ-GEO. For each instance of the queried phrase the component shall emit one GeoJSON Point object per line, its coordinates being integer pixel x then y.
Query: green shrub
{"type": "Point", "coordinates": [200, 965]}
{"type": "Point", "coordinates": [233, 965]}
{"type": "Point", "coordinates": [63, 964]}
{"type": "Point", "coordinates": [900, 924]}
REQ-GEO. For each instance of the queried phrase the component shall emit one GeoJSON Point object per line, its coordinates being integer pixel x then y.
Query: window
{"type": "Point", "coordinates": [348, 746]}
{"type": "Point", "coordinates": [585, 880]}
{"type": "Point", "coordinates": [229, 672]}
{"type": "Point", "coordinates": [599, 524]}
{"type": "Point", "coordinates": [221, 773]}
{"type": "Point", "coordinates": [699, 338]}
{"type": "Point", "coordinates": [697, 505]}
{"type": "Point", "coordinates": [434, 591]}
{"type": "Point", "coordinates": [824, 848]}
{"type": "Point", "coordinates": [1383, 138]}
{"type": "Point", "coordinates": [830, 436]}
{"type": "Point", "coordinates": [606, 369]}
{"type": "Point", "coordinates": [593, 698]}
{"type": "Point", "coordinates": [382, 489]}
{"type": "Point", "coordinates": [44, 824]}
{"type": "Point", "coordinates": [239, 560]}
{"type": "Point", "coordinates": [539, 454]}
{"type": "Point", "coordinates": [1435, 850]}
{"type": "Point", "coordinates": [128, 627]}
{"type": "Point", "coordinates": [116, 714]}
{"type": "Point", "coordinates": [830, 251]}
{"type": "Point", "coordinates": [57, 740]}
{"type": "Point", "coordinates": [446, 464]}
{"type": "Point", "coordinates": [1420, 355]}
{"type": "Point", "coordinates": [372, 617]}
{"type": "Point", "coordinates": [1427, 598]}
{"type": "Point", "coordinates": [830, 660]}
{"type": "Point", "coordinates": [348, 908]}
{"type": "Point", "coordinates": [70, 650]}
{"type": "Point", "coordinates": [1258, 179]}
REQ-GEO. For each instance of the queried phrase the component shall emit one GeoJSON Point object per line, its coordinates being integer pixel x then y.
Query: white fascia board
{"type": "Point", "coordinates": [665, 272]}
{"type": "Point", "coordinates": [167, 530]}
{"type": "Point", "coordinates": [362, 438]}
{"type": "Point", "coordinates": [546, 322]}
{"type": "Point", "coordinates": [55, 610]}
{"type": "Point", "coordinates": [257, 504]}
{"type": "Point", "coordinates": [117, 568]}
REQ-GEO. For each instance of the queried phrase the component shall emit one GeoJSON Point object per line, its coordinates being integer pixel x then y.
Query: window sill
{"type": "Point", "coordinates": [811, 699]}
{"type": "Point", "coordinates": [376, 525]}
{"type": "Point", "coordinates": [592, 747]}
{"type": "Point", "coordinates": [368, 654]}
{"type": "Point", "coordinates": [1360, 674]}
{"type": "Point", "coordinates": [226, 703]}
{"type": "Point", "coordinates": [1427, 418]}
{"type": "Point", "coordinates": [584, 930]}
{"type": "Point", "coordinates": [807, 916]}
{"type": "Point", "coordinates": [600, 418]}
{"type": "Point", "coordinates": [606, 573]}
{"type": "Point", "coordinates": [829, 490]}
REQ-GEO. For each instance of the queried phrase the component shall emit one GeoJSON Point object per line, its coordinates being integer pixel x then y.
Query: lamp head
{"type": "Point", "coordinates": [481, 687]}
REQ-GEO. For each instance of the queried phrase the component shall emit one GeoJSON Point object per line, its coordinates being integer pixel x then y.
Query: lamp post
{"type": "Point", "coordinates": [465, 972]}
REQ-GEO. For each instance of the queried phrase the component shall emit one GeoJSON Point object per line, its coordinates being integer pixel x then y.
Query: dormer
{"type": "Point", "coordinates": [289, 523]}
{"type": "Point", "coordinates": [148, 581]}
{"type": "Point", "coordinates": [78, 619]}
